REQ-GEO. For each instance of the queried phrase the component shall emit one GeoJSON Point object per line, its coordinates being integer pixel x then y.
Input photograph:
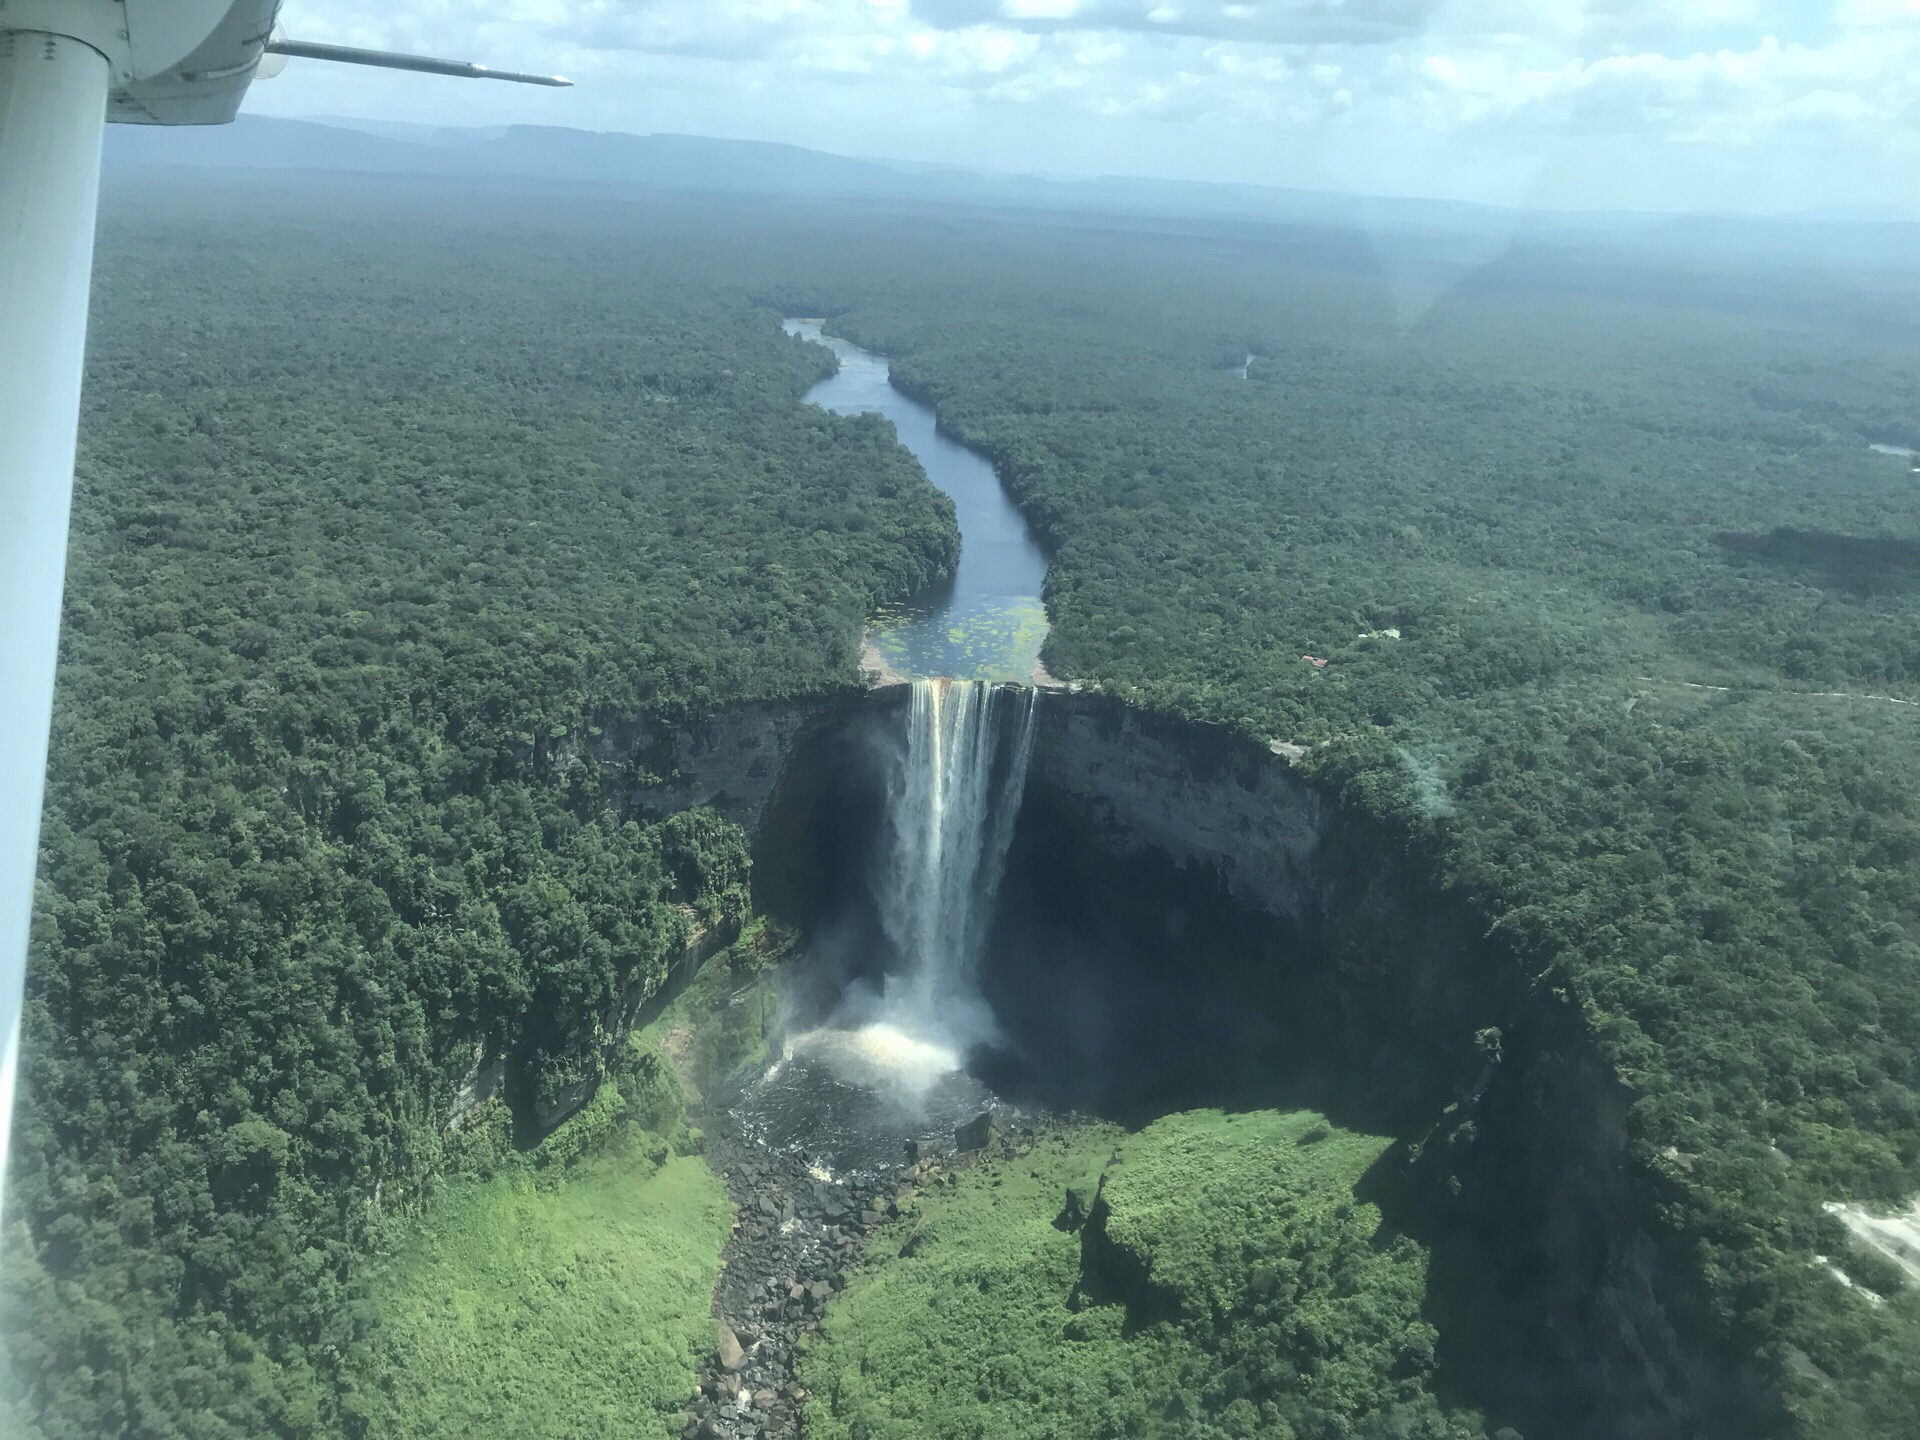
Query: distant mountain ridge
{"type": "Point", "coordinates": [702, 164]}
{"type": "Point", "coordinates": [667, 161]}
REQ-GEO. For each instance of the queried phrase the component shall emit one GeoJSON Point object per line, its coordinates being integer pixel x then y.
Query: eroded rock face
{"type": "Point", "coordinates": [1523, 1187]}
{"type": "Point", "coordinates": [1200, 796]}
{"type": "Point", "coordinates": [731, 760]}
{"type": "Point", "coordinates": [481, 1083]}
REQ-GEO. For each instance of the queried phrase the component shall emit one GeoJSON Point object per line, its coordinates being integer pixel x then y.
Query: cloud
{"type": "Point", "coordinates": [1461, 97]}
{"type": "Point", "coordinates": [1746, 97]}
{"type": "Point", "coordinates": [1290, 22]}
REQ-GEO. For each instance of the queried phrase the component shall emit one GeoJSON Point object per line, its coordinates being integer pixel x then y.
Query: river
{"type": "Point", "coordinates": [987, 622]}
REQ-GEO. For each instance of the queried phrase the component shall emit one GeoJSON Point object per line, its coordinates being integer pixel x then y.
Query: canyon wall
{"type": "Point", "coordinates": [1558, 1306]}
{"type": "Point", "coordinates": [1200, 797]}
{"type": "Point", "coordinates": [731, 760]}
{"type": "Point", "coordinates": [1559, 1310]}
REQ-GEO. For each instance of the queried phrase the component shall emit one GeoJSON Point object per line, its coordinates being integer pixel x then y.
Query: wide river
{"type": "Point", "coordinates": [987, 623]}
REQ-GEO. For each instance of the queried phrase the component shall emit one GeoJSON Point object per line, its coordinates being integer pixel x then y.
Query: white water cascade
{"type": "Point", "coordinates": [889, 1063]}
{"type": "Point", "coordinates": [950, 813]}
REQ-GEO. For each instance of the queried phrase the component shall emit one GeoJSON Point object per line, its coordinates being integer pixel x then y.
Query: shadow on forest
{"type": "Point", "coordinates": [1862, 564]}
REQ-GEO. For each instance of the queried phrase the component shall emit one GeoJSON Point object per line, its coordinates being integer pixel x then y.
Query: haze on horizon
{"type": "Point", "coordinates": [1766, 106]}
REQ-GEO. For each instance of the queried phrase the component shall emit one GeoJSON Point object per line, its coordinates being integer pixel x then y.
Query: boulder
{"type": "Point", "coordinates": [728, 1351]}
{"type": "Point", "coordinates": [976, 1134]}
{"type": "Point", "coordinates": [1081, 1195]}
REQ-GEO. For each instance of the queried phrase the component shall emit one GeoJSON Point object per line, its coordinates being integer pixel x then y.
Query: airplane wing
{"type": "Point", "coordinates": [206, 87]}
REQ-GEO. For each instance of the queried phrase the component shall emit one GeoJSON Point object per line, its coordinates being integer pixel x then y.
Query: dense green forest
{"type": "Point", "coordinates": [383, 495]}
{"type": "Point", "coordinates": [371, 511]}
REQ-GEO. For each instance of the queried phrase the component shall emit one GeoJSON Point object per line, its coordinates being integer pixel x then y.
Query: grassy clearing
{"type": "Point", "coordinates": [577, 1310]}
{"type": "Point", "coordinates": [1227, 1284]}
{"type": "Point", "coordinates": [568, 1295]}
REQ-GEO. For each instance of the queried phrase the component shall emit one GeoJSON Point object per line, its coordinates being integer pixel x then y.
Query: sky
{"type": "Point", "coordinates": [1771, 106]}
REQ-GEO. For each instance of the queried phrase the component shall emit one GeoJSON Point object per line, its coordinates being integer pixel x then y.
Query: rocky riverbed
{"type": "Point", "coordinates": [797, 1240]}
{"type": "Point", "coordinates": [797, 1231]}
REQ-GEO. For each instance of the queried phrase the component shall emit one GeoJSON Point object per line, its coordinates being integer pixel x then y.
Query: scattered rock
{"type": "Point", "coordinates": [798, 1234]}
{"type": "Point", "coordinates": [976, 1134]}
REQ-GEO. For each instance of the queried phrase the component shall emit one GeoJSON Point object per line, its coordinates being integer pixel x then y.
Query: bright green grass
{"type": "Point", "coordinates": [574, 1311]}
{"type": "Point", "coordinates": [1271, 1307]}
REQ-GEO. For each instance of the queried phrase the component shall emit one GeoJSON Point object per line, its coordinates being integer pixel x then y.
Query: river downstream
{"type": "Point", "coordinates": [987, 622]}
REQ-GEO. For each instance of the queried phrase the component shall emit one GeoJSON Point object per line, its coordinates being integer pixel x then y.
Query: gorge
{"type": "Point", "coordinates": [1186, 920]}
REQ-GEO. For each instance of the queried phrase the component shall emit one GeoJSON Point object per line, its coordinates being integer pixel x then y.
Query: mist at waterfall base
{"type": "Point", "coordinates": [886, 1060]}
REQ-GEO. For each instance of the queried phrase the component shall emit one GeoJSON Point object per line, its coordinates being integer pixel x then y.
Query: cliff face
{"type": "Point", "coordinates": [493, 1075]}
{"type": "Point", "coordinates": [1558, 1309]}
{"type": "Point", "coordinates": [731, 760]}
{"type": "Point", "coordinates": [1143, 783]}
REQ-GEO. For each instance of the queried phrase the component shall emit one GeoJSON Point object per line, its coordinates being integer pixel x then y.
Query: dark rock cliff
{"type": "Point", "coordinates": [1562, 1311]}
{"type": "Point", "coordinates": [1368, 991]}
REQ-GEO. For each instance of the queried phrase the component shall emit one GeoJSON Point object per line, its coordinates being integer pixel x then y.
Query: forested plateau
{"type": "Point", "coordinates": [386, 493]}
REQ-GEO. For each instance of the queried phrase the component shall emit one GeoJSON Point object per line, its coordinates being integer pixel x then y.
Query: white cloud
{"type": "Point", "coordinates": [1432, 95]}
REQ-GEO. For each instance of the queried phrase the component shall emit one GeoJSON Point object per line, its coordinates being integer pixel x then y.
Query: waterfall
{"type": "Point", "coordinates": [888, 1064]}
{"type": "Point", "coordinates": [951, 810]}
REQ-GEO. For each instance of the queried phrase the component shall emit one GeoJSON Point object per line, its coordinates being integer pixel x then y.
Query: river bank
{"type": "Point", "coordinates": [986, 621]}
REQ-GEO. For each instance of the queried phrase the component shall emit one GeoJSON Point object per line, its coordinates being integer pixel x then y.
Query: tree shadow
{"type": "Point", "coordinates": [1858, 564]}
